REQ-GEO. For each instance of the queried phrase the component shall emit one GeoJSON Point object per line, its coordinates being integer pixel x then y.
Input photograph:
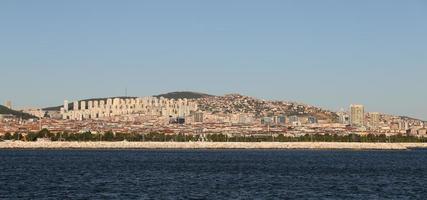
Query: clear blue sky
{"type": "Point", "coordinates": [325, 53]}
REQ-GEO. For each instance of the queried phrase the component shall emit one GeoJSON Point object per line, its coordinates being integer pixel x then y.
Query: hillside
{"type": "Point", "coordinates": [6, 111]}
{"type": "Point", "coordinates": [236, 103]}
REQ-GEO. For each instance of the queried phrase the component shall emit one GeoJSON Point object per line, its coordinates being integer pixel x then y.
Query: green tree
{"type": "Point", "coordinates": [86, 136]}
{"type": "Point", "coordinates": [44, 133]}
{"type": "Point", "coordinates": [31, 137]}
{"type": "Point", "coordinates": [7, 136]}
{"type": "Point", "coordinates": [108, 136]}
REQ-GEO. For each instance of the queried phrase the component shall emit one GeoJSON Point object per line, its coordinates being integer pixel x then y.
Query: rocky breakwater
{"type": "Point", "coordinates": [209, 145]}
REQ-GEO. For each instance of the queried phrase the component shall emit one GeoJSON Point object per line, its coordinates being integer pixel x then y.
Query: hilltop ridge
{"type": "Point", "coordinates": [183, 94]}
{"type": "Point", "coordinates": [6, 111]}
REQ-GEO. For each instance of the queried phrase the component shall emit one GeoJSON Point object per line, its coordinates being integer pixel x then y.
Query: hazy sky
{"type": "Point", "coordinates": [324, 53]}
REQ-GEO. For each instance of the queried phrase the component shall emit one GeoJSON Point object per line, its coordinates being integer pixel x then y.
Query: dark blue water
{"type": "Point", "coordinates": [212, 174]}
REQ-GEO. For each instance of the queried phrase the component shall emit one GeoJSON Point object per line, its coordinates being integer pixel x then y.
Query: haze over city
{"type": "Point", "coordinates": [329, 54]}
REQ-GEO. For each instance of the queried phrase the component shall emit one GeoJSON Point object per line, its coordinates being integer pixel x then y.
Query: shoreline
{"type": "Point", "coordinates": [212, 145]}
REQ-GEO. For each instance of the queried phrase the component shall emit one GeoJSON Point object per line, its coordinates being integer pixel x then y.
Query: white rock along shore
{"type": "Point", "coordinates": [209, 145]}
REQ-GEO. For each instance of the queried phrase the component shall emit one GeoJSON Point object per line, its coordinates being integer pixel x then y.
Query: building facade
{"type": "Point", "coordinates": [357, 115]}
{"type": "Point", "coordinates": [96, 109]}
{"type": "Point", "coordinates": [374, 120]}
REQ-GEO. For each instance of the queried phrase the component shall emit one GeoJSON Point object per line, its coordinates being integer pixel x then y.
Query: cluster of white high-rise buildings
{"type": "Point", "coordinates": [95, 109]}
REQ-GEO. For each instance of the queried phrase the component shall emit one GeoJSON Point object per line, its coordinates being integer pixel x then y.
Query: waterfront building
{"type": "Point", "coordinates": [357, 115]}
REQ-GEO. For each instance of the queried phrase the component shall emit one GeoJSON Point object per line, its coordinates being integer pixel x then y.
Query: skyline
{"type": "Point", "coordinates": [329, 54]}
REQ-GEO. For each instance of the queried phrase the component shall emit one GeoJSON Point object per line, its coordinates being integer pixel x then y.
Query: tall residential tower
{"type": "Point", "coordinates": [357, 115]}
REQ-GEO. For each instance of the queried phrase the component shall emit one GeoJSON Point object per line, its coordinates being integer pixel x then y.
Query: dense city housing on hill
{"type": "Point", "coordinates": [202, 118]}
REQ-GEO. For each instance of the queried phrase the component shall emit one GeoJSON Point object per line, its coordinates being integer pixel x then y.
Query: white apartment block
{"type": "Point", "coordinates": [153, 106]}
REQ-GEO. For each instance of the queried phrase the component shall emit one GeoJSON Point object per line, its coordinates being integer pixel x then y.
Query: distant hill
{"type": "Point", "coordinates": [184, 94]}
{"type": "Point", "coordinates": [6, 111]}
